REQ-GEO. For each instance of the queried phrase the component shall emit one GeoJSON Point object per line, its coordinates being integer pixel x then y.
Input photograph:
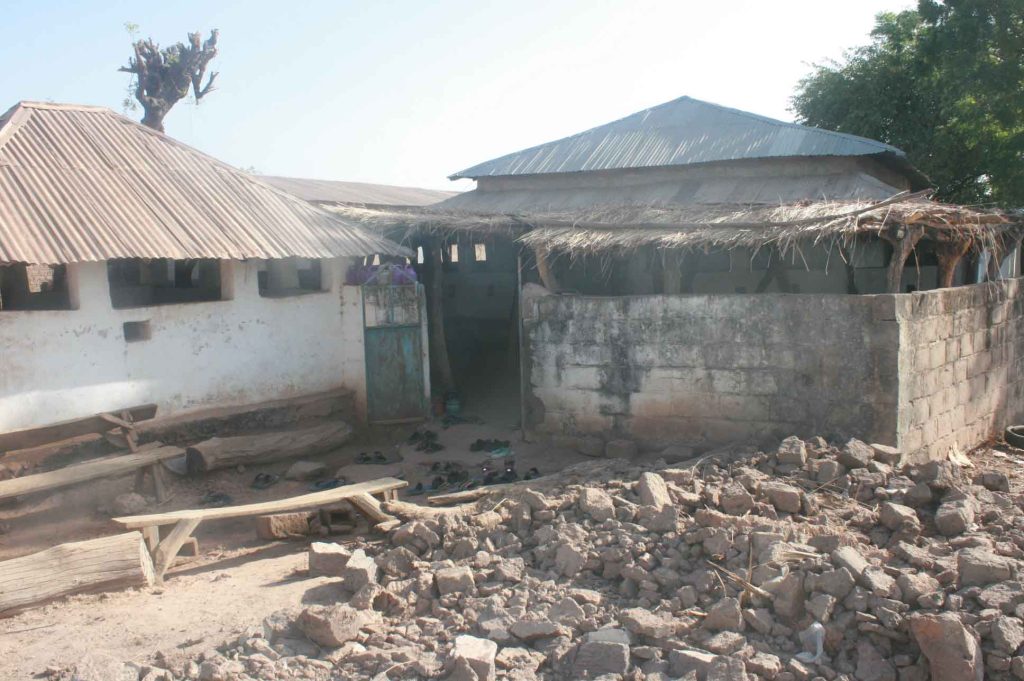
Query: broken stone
{"type": "Point", "coordinates": [595, 658]}
{"type": "Point", "coordinates": [727, 669]}
{"type": "Point", "coordinates": [597, 503]}
{"type": "Point", "coordinates": [532, 628]}
{"type": "Point", "coordinates": [954, 518]}
{"type": "Point", "coordinates": [735, 500]}
{"type": "Point", "coordinates": [898, 517]}
{"type": "Point", "coordinates": [653, 491]}
{"type": "Point", "coordinates": [331, 626]}
{"type": "Point", "coordinates": [953, 653]}
{"type": "Point", "coordinates": [784, 497]}
{"type": "Point", "coordinates": [569, 559]}
{"type": "Point", "coordinates": [851, 559]}
{"type": "Point", "coordinates": [912, 587]}
{"type": "Point", "coordinates": [359, 570]}
{"type": "Point", "coordinates": [993, 481]}
{"type": "Point", "coordinates": [283, 526]}
{"type": "Point", "coordinates": [886, 454]}
{"type": "Point", "coordinates": [981, 567]}
{"type": "Point", "coordinates": [129, 503]}
{"type": "Point", "coordinates": [646, 623]}
{"type": "Point", "coordinates": [855, 454]}
{"type": "Point", "coordinates": [327, 559]}
{"type": "Point", "coordinates": [871, 666]}
{"type": "Point", "coordinates": [792, 451]}
{"type": "Point", "coordinates": [1007, 634]}
{"type": "Point", "coordinates": [686, 661]}
{"type": "Point", "coordinates": [479, 653]}
{"type": "Point", "coordinates": [726, 642]}
{"type": "Point", "coordinates": [455, 580]}
{"type": "Point", "coordinates": [725, 615]}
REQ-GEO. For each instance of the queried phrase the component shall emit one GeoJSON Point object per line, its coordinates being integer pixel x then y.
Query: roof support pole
{"type": "Point", "coordinates": [671, 272]}
{"type": "Point", "coordinates": [949, 254]}
{"type": "Point", "coordinates": [545, 270]}
{"type": "Point", "coordinates": [441, 368]}
{"type": "Point", "coordinates": [903, 242]}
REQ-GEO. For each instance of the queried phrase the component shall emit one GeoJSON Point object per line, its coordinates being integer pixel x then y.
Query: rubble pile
{"type": "Point", "coordinates": [812, 562]}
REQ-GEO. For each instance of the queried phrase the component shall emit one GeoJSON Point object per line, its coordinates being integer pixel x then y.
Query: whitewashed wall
{"type": "Point", "coordinates": [64, 364]}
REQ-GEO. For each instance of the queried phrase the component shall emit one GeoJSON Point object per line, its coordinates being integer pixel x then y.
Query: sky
{"type": "Point", "coordinates": [409, 92]}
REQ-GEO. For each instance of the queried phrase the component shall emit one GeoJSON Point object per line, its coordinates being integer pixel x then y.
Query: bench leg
{"type": "Point", "coordinates": [159, 486]}
{"type": "Point", "coordinates": [152, 537]}
{"type": "Point", "coordinates": [167, 550]}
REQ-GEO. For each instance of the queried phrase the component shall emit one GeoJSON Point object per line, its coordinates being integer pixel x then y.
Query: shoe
{"type": "Point", "coordinates": [265, 480]}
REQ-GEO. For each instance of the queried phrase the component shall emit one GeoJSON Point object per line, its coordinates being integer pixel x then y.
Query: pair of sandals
{"type": "Point", "coordinates": [375, 458]}
{"type": "Point", "coordinates": [489, 445]}
{"type": "Point", "coordinates": [329, 483]}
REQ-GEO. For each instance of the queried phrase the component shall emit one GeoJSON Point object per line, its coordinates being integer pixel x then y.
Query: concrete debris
{"type": "Point", "coordinates": [813, 561]}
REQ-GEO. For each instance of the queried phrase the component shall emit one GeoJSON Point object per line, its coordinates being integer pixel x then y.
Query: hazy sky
{"type": "Point", "coordinates": [409, 92]}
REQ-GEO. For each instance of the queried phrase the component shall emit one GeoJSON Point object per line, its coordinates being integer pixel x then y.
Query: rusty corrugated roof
{"type": "Point", "coordinates": [82, 183]}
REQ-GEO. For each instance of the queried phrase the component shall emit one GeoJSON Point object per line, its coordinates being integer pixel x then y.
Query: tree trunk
{"type": "Point", "coordinates": [440, 366]}
{"type": "Point", "coordinates": [544, 269]}
{"type": "Point", "coordinates": [106, 563]}
{"type": "Point", "coordinates": [949, 255]}
{"type": "Point", "coordinates": [226, 452]}
{"type": "Point", "coordinates": [902, 247]}
{"type": "Point", "coordinates": [672, 273]}
{"type": "Point", "coordinates": [154, 117]}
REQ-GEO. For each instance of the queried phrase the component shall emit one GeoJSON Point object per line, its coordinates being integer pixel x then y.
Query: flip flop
{"type": "Point", "coordinates": [330, 483]}
{"type": "Point", "coordinates": [216, 499]}
{"type": "Point", "coordinates": [265, 480]}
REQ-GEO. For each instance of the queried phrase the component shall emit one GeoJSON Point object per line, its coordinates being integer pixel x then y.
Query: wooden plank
{"type": "Point", "coordinates": [311, 501]}
{"type": "Point", "coordinates": [104, 563]}
{"type": "Point", "coordinates": [54, 432]}
{"type": "Point", "coordinates": [370, 507]}
{"type": "Point", "coordinates": [90, 470]}
{"type": "Point", "coordinates": [116, 420]}
{"type": "Point", "coordinates": [167, 550]}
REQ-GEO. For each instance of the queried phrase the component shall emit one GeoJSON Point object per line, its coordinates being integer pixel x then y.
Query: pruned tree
{"type": "Point", "coordinates": [163, 76]}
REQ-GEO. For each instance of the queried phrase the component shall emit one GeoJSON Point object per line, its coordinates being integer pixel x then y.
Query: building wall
{"type": "Point", "coordinates": [961, 365]}
{"type": "Point", "coordinates": [711, 368]}
{"type": "Point", "coordinates": [65, 364]}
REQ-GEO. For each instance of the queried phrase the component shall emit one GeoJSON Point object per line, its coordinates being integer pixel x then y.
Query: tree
{"type": "Point", "coordinates": [945, 83]}
{"type": "Point", "coordinates": [163, 76]}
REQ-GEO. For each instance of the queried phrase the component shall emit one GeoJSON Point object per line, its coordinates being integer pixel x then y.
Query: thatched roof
{"type": "Point", "coordinates": [610, 228]}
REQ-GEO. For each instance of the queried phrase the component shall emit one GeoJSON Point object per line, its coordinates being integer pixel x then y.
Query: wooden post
{"type": "Point", "coordinates": [672, 272]}
{"type": "Point", "coordinates": [167, 550]}
{"type": "Point", "coordinates": [440, 366]}
{"type": "Point", "coordinates": [949, 254]}
{"type": "Point", "coordinates": [851, 271]}
{"type": "Point", "coordinates": [544, 269]}
{"type": "Point", "coordinates": [902, 246]}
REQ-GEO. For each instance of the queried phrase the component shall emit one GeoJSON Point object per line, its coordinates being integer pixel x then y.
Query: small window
{"type": "Point", "coordinates": [284, 277]}
{"type": "Point", "coordinates": [480, 252]}
{"type": "Point", "coordinates": [419, 255]}
{"type": "Point", "coordinates": [137, 331]}
{"type": "Point", "coordinates": [142, 283]}
{"type": "Point", "coordinates": [453, 253]}
{"type": "Point", "coordinates": [34, 287]}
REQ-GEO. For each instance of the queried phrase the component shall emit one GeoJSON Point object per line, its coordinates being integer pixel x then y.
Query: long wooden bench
{"type": "Point", "coordinates": [165, 550]}
{"type": "Point", "coordinates": [145, 458]}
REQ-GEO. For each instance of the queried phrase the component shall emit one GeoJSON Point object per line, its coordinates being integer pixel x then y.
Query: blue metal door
{"type": "Point", "coordinates": [395, 384]}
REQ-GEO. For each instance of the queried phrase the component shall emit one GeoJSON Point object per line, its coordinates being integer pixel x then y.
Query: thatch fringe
{"type": "Point", "coordinates": [611, 228]}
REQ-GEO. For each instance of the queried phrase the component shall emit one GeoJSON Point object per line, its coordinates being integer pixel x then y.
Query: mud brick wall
{"type": "Point", "coordinates": [711, 369]}
{"type": "Point", "coordinates": [961, 360]}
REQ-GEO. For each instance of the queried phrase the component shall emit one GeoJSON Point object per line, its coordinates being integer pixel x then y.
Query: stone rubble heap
{"type": "Point", "coordinates": [813, 562]}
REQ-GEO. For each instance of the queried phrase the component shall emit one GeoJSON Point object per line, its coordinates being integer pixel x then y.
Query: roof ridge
{"type": "Point", "coordinates": [62, 106]}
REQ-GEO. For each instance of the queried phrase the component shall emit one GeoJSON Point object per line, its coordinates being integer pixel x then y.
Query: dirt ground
{"type": "Point", "coordinates": [237, 580]}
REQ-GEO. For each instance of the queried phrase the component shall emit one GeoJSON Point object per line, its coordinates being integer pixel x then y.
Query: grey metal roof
{"type": "Point", "coordinates": [356, 193]}
{"type": "Point", "coordinates": [82, 183]}
{"type": "Point", "coordinates": [681, 132]}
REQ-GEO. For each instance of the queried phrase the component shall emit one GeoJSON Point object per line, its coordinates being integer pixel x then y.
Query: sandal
{"type": "Point", "coordinates": [265, 480]}
{"type": "Point", "coordinates": [216, 499]}
{"type": "Point", "coordinates": [330, 483]}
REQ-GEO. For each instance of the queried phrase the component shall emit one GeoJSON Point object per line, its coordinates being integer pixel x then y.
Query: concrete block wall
{"type": "Point", "coordinates": [961, 362]}
{"type": "Point", "coordinates": [711, 368]}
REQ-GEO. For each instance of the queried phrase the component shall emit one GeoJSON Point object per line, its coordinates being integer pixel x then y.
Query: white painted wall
{"type": "Point", "coordinates": [65, 364]}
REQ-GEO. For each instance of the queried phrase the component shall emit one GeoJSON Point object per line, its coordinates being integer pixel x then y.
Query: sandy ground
{"type": "Point", "coordinates": [237, 580]}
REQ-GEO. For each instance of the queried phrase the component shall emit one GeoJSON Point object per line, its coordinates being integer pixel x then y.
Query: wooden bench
{"type": "Point", "coordinates": [146, 458]}
{"type": "Point", "coordinates": [165, 550]}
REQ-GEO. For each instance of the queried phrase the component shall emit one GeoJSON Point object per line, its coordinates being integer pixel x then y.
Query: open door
{"type": "Point", "coordinates": [393, 338]}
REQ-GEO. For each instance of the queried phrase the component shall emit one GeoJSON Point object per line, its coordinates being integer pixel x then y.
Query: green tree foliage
{"type": "Point", "coordinates": [945, 83]}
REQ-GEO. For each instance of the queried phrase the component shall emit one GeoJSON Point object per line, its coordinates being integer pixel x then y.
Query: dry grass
{"type": "Point", "coordinates": [618, 228]}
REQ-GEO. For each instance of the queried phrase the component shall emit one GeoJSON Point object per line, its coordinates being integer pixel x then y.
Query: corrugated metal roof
{"type": "Point", "coordinates": [356, 193]}
{"type": "Point", "coordinates": [681, 132]}
{"type": "Point", "coordinates": [82, 183]}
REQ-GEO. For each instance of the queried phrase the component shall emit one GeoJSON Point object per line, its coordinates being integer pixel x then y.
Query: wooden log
{"type": "Point", "coordinates": [63, 430]}
{"type": "Point", "coordinates": [226, 452]}
{"type": "Point", "coordinates": [949, 254]}
{"type": "Point", "coordinates": [102, 468]}
{"type": "Point", "coordinates": [97, 564]}
{"type": "Point", "coordinates": [545, 270]}
{"type": "Point", "coordinates": [370, 507]}
{"type": "Point", "coordinates": [903, 245]}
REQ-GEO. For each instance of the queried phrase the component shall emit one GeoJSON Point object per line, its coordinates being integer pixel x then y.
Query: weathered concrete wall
{"type": "Point", "coordinates": [69, 363]}
{"type": "Point", "coordinates": [711, 368]}
{"type": "Point", "coordinates": [961, 365]}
